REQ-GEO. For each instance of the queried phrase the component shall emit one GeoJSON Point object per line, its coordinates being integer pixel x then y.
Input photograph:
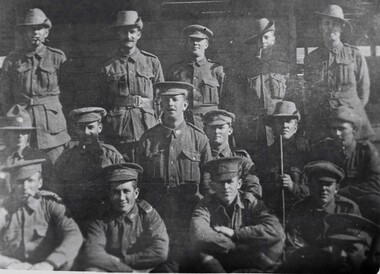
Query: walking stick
{"type": "Point", "coordinates": [282, 189]}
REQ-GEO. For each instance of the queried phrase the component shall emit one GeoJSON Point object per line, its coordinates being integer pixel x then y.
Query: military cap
{"type": "Point", "coordinates": [35, 17]}
{"type": "Point", "coordinates": [324, 171]}
{"type": "Point", "coordinates": [349, 227]}
{"type": "Point", "coordinates": [335, 12]}
{"type": "Point", "coordinates": [218, 117]}
{"type": "Point", "coordinates": [283, 109]}
{"type": "Point", "coordinates": [260, 27]}
{"type": "Point", "coordinates": [198, 31]}
{"type": "Point", "coordinates": [225, 168]}
{"type": "Point", "coordinates": [345, 114]}
{"type": "Point", "coordinates": [170, 88]}
{"type": "Point", "coordinates": [17, 118]}
{"type": "Point", "coordinates": [128, 18]}
{"type": "Point", "coordinates": [87, 115]}
{"type": "Point", "coordinates": [24, 168]}
{"type": "Point", "coordinates": [121, 172]}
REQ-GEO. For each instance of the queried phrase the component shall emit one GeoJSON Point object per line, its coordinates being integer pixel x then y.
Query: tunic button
{"type": "Point", "coordinates": [171, 162]}
{"type": "Point", "coordinates": [193, 158]}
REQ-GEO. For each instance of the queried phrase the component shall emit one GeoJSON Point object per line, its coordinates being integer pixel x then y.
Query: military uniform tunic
{"type": "Point", "coordinates": [335, 78]}
{"type": "Point", "coordinates": [264, 85]}
{"type": "Point", "coordinates": [138, 238]}
{"type": "Point", "coordinates": [258, 241]}
{"type": "Point", "coordinates": [251, 182]}
{"type": "Point", "coordinates": [31, 78]}
{"type": "Point", "coordinates": [75, 177]}
{"type": "Point", "coordinates": [128, 95]}
{"type": "Point", "coordinates": [305, 225]}
{"type": "Point", "coordinates": [269, 171]}
{"type": "Point", "coordinates": [39, 231]}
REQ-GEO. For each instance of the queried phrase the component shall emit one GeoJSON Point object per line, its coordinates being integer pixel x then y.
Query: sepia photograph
{"type": "Point", "coordinates": [190, 136]}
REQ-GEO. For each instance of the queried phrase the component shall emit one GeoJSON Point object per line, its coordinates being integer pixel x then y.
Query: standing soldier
{"type": "Point", "coordinates": [127, 94]}
{"type": "Point", "coordinates": [30, 77]}
{"type": "Point", "coordinates": [76, 170]}
{"type": "Point", "coordinates": [336, 75]}
{"type": "Point", "coordinates": [205, 75]}
{"type": "Point", "coordinates": [172, 154]}
{"type": "Point", "coordinates": [263, 83]}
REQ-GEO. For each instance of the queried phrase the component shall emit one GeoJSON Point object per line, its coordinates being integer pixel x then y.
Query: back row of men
{"type": "Point", "coordinates": [230, 229]}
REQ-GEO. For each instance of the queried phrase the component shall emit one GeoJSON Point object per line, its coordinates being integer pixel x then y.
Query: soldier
{"type": "Point", "coordinates": [232, 233]}
{"type": "Point", "coordinates": [16, 135]}
{"type": "Point", "coordinates": [172, 154]}
{"type": "Point", "coordinates": [76, 170]}
{"type": "Point", "coordinates": [128, 79]}
{"type": "Point", "coordinates": [360, 161]}
{"type": "Point", "coordinates": [263, 84]}
{"type": "Point", "coordinates": [30, 77]}
{"type": "Point", "coordinates": [284, 121]}
{"type": "Point", "coordinates": [35, 231]}
{"type": "Point", "coordinates": [305, 223]}
{"type": "Point", "coordinates": [218, 128]}
{"type": "Point", "coordinates": [130, 233]}
{"type": "Point", "coordinates": [352, 241]}
{"type": "Point", "coordinates": [205, 75]}
{"type": "Point", "coordinates": [336, 75]}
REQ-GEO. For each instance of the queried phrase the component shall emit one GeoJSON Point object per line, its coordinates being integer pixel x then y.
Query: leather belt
{"type": "Point", "coordinates": [40, 100]}
{"type": "Point", "coordinates": [133, 101]}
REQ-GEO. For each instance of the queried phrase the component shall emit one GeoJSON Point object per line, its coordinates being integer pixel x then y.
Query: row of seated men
{"type": "Point", "coordinates": [230, 229]}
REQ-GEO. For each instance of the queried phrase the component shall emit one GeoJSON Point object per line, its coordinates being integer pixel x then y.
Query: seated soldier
{"type": "Point", "coordinates": [16, 136]}
{"type": "Point", "coordinates": [130, 233]}
{"type": "Point", "coordinates": [305, 225]}
{"type": "Point", "coordinates": [360, 161]}
{"type": "Point", "coordinates": [76, 170]}
{"type": "Point", "coordinates": [35, 231]}
{"type": "Point", "coordinates": [218, 128]}
{"type": "Point", "coordinates": [352, 242]}
{"type": "Point", "coordinates": [284, 122]}
{"type": "Point", "coordinates": [231, 232]}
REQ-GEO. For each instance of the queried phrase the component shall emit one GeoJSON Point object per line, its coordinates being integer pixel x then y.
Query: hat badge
{"type": "Point", "coordinates": [19, 120]}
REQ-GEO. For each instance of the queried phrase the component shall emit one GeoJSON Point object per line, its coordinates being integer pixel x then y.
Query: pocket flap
{"type": "Point", "coordinates": [115, 77]}
{"type": "Point", "coordinates": [145, 73]}
{"type": "Point", "coordinates": [53, 107]}
{"type": "Point", "coordinates": [211, 82]}
{"type": "Point", "coordinates": [46, 67]}
{"type": "Point", "coordinates": [278, 77]}
{"type": "Point", "coordinates": [192, 155]}
{"type": "Point", "coordinates": [23, 67]}
{"type": "Point", "coordinates": [345, 61]}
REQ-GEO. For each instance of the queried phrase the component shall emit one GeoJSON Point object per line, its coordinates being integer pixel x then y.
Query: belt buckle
{"type": "Point", "coordinates": [138, 101]}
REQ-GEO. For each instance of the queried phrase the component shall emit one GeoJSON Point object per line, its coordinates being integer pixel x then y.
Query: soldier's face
{"type": "Point", "coordinates": [129, 36]}
{"type": "Point", "coordinates": [26, 188]}
{"type": "Point", "coordinates": [342, 132]}
{"type": "Point", "coordinates": [285, 126]}
{"type": "Point", "coordinates": [88, 133]}
{"type": "Point", "coordinates": [323, 192]}
{"type": "Point", "coordinates": [349, 256]}
{"type": "Point", "coordinates": [36, 35]}
{"type": "Point", "coordinates": [173, 106]}
{"type": "Point", "coordinates": [123, 195]}
{"type": "Point", "coordinates": [218, 134]}
{"type": "Point", "coordinates": [226, 191]}
{"type": "Point", "coordinates": [197, 46]}
{"type": "Point", "coordinates": [266, 40]}
{"type": "Point", "coordinates": [17, 138]}
{"type": "Point", "coordinates": [331, 30]}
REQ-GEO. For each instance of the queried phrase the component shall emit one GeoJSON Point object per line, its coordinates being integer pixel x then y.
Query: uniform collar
{"type": "Point", "coordinates": [134, 56]}
{"type": "Point", "coordinates": [337, 48]}
{"type": "Point", "coordinates": [92, 149]}
{"type": "Point", "coordinates": [198, 63]}
{"type": "Point", "coordinates": [236, 204]}
{"type": "Point", "coordinates": [347, 151]}
{"type": "Point", "coordinates": [224, 152]}
{"type": "Point", "coordinates": [33, 203]}
{"type": "Point", "coordinates": [330, 208]}
{"type": "Point", "coordinates": [175, 132]}
{"type": "Point", "coordinates": [131, 215]}
{"type": "Point", "coordinates": [40, 51]}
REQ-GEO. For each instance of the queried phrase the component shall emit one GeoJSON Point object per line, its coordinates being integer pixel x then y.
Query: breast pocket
{"type": "Point", "coordinates": [155, 164]}
{"type": "Point", "coordinates": [144, 82]}
{"type": "Point", "coordinates": [189, 165]}
{"type": "Point", "coordinates": [22, 74]}
{"type": "Point", "coordinates": [47, 77]}
{"type": "Point", "coordinates": [117, 84]}
{"type": "Point", "coordinates": [55, 121]}
{"type": "Point", "coordinates": [210, 89]}
{"type": "Point", "coordinates": [11, 239]}
{"type": "Point", "coordinates": [346, 72]}
{"type": "Point", "coordinates": [277, 85]}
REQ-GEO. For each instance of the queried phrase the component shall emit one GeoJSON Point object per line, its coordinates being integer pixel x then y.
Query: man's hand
{"type": "Point", "coordinates": [19, 265]}
{"type": "Point", "coordinates": [225, 230]}
{"type": "Point", "coordinates": [44, 266]}
{"type": "Point", "coordinates": [286, 182]}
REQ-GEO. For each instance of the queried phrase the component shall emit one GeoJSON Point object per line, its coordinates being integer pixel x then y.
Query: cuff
{"type": "Point", "coordinates": [56, 260]}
